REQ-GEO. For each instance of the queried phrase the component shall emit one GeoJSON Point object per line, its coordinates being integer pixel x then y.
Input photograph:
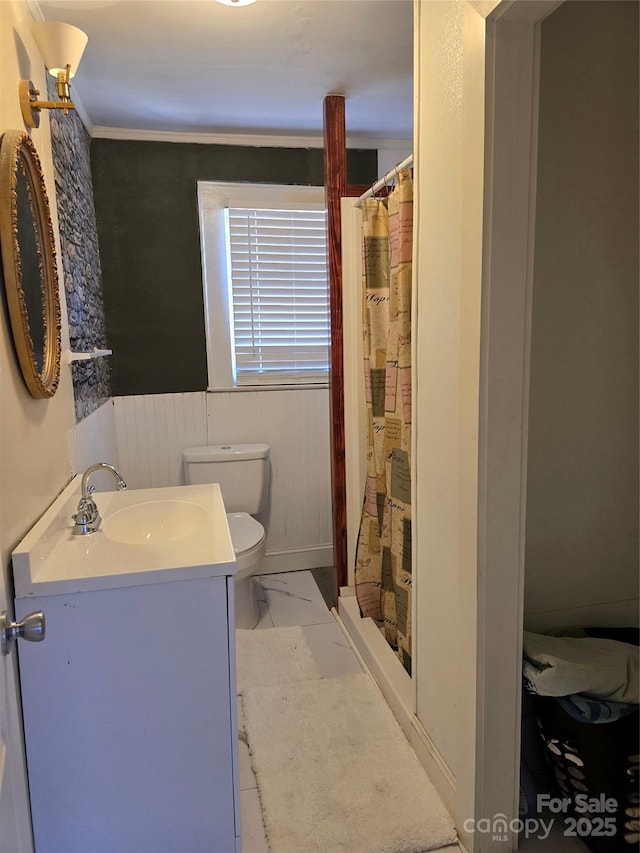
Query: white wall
{"type": "Point", "coordinates": [466, 674]}
{"type": "Point", "coordinates": [34, 462]}
{"type": "Point", "coordinates": [94, 440]}
{"type": "Point", "coordinates": [582, 498]}
{"type": "Point", "coordinates": [152, 430]}
{"type": "Point", "coordinates": [437, 368]}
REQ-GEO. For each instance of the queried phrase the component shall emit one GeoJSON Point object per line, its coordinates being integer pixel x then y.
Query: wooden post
{"type": "Point", "coordinates": [335, 182]}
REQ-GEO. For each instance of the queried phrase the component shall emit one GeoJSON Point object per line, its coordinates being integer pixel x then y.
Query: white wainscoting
{"type": "Point", "coordinates": [151, 431]}
{"type": "Point", "coordinates": [295, 424]}
{"type": "Point", "coordinates": [94, 440]}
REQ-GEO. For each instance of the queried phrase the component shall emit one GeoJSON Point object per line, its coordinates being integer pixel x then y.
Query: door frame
{"type": "Point", "coordinates": [500, 120]}
{"type": "Point", "coordinates": [475, 226]}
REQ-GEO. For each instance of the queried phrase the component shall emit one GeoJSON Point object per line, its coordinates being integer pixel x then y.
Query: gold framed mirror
{"type": "Point", "coordinates": [29, 263]}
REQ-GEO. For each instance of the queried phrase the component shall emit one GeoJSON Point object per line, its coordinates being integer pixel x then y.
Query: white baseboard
{"type": "Point", "coordinates": [397, 688]}
{"type": "Point", "coordinates": [380, 659]}
{"type": "Point", "coordinates": [298, 560]}
{"type": "Point", "coordinates": [434, 764]}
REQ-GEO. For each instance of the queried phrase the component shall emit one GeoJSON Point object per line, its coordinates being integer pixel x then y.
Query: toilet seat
{"type": "Point", "coordinates": [249, 544]}
{"type": "Point", "coordinates": [246, 532]}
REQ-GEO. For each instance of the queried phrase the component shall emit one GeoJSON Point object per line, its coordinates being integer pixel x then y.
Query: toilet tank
{"type": "Point", "coordinates": [242, 470]}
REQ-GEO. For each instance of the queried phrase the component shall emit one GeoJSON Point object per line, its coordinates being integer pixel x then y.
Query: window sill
{"type": "Point", "coordinates": [250, 388]}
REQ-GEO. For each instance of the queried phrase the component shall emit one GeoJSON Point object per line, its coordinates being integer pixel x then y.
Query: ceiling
{"type": "Point", "coordinates": [199, 66]}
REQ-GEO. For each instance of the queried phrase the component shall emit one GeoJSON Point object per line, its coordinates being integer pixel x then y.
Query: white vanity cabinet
{"type": "Point", "coordinates": [129, 708]}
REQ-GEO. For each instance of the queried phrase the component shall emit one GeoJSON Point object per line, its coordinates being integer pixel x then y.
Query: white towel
{"type": "Point", "coordinates": [596, 668]}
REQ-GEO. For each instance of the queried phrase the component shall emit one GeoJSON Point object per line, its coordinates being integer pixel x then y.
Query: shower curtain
{"type": "Point", "coordinates": [383, 555]}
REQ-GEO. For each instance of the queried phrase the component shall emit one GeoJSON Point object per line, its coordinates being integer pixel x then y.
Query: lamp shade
{"type": "Point", "coordinates": [60, 45]}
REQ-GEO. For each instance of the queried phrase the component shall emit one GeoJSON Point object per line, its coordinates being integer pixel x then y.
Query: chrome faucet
{"type": "Point", "coordinates": [87, 518]}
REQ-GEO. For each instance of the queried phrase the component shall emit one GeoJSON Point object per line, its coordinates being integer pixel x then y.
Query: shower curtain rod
{"type": "Point", "coordinates": [392, 174]}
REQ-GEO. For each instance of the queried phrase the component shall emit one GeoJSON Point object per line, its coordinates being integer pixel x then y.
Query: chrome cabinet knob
{"type": "Point", "coordinates": [32, 628]}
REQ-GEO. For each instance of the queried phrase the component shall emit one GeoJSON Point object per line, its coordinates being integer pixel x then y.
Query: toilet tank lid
{"type": "Point", "coordinates": [225, 452]}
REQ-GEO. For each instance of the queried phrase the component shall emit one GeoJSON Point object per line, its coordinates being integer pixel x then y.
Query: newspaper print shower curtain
{"type": "Point", "coordinates": [383, 556]}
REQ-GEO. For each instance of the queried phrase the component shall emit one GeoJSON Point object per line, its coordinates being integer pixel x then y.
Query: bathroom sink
{"type": "Point", "coordinates": [154, 522]}
{"type": "Point", "coordinates": [146, 536]}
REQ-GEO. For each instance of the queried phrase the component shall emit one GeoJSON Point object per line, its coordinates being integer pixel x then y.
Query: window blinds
{"type": "Point", "coordinates": [279, 293]}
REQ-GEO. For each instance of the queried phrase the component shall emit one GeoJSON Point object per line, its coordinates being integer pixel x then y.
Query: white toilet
{"type": "Point", "coordinates": [242, 470]}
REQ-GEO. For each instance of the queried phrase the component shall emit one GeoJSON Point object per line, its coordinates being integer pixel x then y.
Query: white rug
{"type": "Point", "coordinates": [335, 772]}
{"type": "Point", "coordinates": [273, 656]}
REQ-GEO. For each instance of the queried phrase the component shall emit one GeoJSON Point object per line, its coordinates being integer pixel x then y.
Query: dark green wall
{"type": "Point", "coordinates": [147, 216]}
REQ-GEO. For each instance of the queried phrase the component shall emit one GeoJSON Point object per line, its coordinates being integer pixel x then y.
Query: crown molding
{"type": "Point", "coordinates": [250, 139]}
{"type": "Point", "coordinates": [36, 11]}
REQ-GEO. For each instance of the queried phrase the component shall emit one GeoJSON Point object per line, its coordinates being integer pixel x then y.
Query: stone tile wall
{"type": "Point", "coordinates": [80, 261]}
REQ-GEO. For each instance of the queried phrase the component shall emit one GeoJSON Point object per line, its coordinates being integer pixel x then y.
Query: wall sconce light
{"type": "Point", "coordinates": [236, 2]}
{"type": "Point", "coordinates": [61, 47]}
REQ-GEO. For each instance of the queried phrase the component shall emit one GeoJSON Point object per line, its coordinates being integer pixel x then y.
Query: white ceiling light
{"type": "Point", "coordinates": [236, 2]}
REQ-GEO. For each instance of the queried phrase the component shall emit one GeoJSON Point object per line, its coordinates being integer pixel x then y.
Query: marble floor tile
{"type": "Point", "coordinates": [325, 579]}
{"type": "Point", "coordinates": [259, 591]}
{"type": "Point", "coordinates": [293, 598]}
{"type": "Point", "coordinates": [253, 837]}
{"type": "Point", "coordinates": [246, 776]}
{"type": "Point", "coordinates": [265, 620]}
{"type": "Point", "coordinates": [331, 650]}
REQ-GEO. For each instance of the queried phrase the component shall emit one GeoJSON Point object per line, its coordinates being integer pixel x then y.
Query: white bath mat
{"type": "Point", "coordinates": [335, 772]}
{"type": "Point", "coordinates": [273, 656]}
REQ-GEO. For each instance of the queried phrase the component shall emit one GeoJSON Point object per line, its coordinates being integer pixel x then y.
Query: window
{"type": "Point", "coordinates": [265, 284]}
